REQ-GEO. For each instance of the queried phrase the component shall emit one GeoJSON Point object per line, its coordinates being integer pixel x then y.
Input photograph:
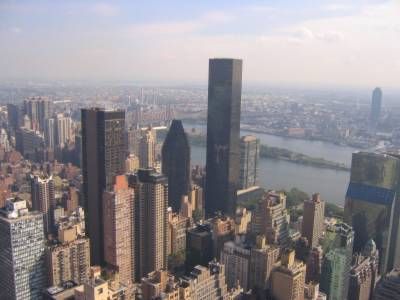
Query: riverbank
{"type": "Point", "coordinates": [281, 154]}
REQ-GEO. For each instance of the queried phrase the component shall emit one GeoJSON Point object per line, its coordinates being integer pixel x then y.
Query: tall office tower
{"type": "Point", "coordinates": [388, 287]}
{"type": "Point", "coordinates": [103, 157]}
{"type": "Point", "coordinates": [287, 280]}
{"type": "Point", "coordinates": [176, 164]}
{"type": "Point", "coordinates": [49, 133]}
{"type": "Point", "coordinates": [314, 264]}
{"type": "Point", "coordinates": [372, 205]}
{"type": "Point", "coordinates": [313, 220]}
{"type": "Point", "coordinates": [71, 199]}
{"type": "Point", "coordinates": [43, 199]}
{"type": "Point", "coordinates": [118, 213]}
{"type": "Point", "coordinates": [14, 115]}
{"type": "Point", "coordinates": [38, 109]}
{"type": "Point", "coordinates": [223, 135]}
{"type": "Point", "coordinates": [376, 104]}
{"type": "Point", "coordinates": [337, 245]}
{"type": "Point", "coordinates": [63, 130]}
{"type": "Point", "coordinates": [69, 259]}
{"type": "Point", "coordinates": [272, 219]}
{"type": "Point", "coordinates": [151, 192]}
{"type": "Point", "coordinates": [22, 249]}
{"type": "Point", "coordinates": [249, 154]}
{"type": "Point", "coordinates": [364, 273]}
{"type": "Point", "coordinates": [147, 150]}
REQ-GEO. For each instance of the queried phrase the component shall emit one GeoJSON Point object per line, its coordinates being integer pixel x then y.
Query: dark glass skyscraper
{"type": "Point", "coordinates": [376, 106]}
{"type": "Point", "coordinates": [223, 135]}
{"type": "Point", "coordinates": [176, 163]}
{"type": "Point", "coordinates": [103, 157]}
{"type": "Point", "coordinates": [372, 205]}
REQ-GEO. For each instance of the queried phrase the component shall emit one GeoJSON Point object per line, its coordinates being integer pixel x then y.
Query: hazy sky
{"type": "Point", "coordinates": [303, 42]}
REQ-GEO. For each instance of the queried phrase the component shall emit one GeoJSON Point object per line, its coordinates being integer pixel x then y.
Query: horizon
{"type": "Point", "coordinates": [331, 44]}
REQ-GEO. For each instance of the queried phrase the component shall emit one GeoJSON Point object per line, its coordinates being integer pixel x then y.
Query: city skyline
{"type": "Point", "coordinates": [278, 42]}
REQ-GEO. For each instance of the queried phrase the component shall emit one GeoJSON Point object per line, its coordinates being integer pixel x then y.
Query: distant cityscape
{"type": "Point", "coordinates": [100, 197]}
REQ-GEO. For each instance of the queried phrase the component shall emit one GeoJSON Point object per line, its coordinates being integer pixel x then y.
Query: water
{"type": "Point", "coordinates": [278, 174]}
{"type": "Point", "coordinates": [328, 151]}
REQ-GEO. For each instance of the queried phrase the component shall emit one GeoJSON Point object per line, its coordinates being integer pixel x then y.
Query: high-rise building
{"type": "Point", "coordinates": [177, 228]}
{"type": "Point", "coordinates": [49, 133]}
{"type": "Point", "coordinates": [69, 259]}
{"type": "Point", "coordinates": [208, 282]}
{"type": "Point", "coordinates": [372, 205]}
{"type": "Point", "coordinates": [388, 287]}
{"type": "Point", "coordinates": [22, 250]}
{"type": "Point", "coordinates": [43, 199]}
{"type": "Point", "coordinates": [147, 150]}
{"type": "Point", "coordinates": [249, 154]}
{"type": "Point", "coordinates": [272, 219]}
{"type": "Point", "coordinates": [364, 273]}
{"type": "Point", "coordinates": [151, 193]}
{"type": "Point", "coordinates": [103, 157]}
{"type": "Point", "coordinates": [199, 246]}
{"type": "Point", "coordinates": [14, 115]}
{"type": "Point", "coordinates": [176, 163]}
{"type": "Point", "coordinates": [28, 142]}
{"type": "Point", "coordinates": [313, 220]}
{"type": "Point", "coordinates": [314, 264]}
{"type": "Point", "coordinates": [223, 230]}
{"type": "Point", "coordinates": [223, 135]}
{"type": "Point", "coordinates": [288, 280]}
{"type": "Point", "coordinates": [133, 137]}
{"type": "Point", "coordinates": [247, 264]}
{"type": "Point", "coordinates": [262, 262]}
{"type": "Point", "coordinates": [38, 110]}
{"type": "Point", "coordinates": [376, 104]}
{"type": "Point", "coordinates": [63, 130]}
{"type": "Point", "coordinates": [338, 245]}
{"type": "Point", "coordinates": [118, 213]}
{"type": "Point", "coordinates": [131, 163]}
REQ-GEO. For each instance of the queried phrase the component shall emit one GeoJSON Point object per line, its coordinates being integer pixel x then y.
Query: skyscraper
{"type": "Point", "coordinates": [103, 157]}
{"type": "Point", "coordinates": [43, 199]}
{"type": "Point", "coordinates": [388, 287]}
{"type": "Point", "coordinates": [313, 220]}
{"type": "Point", "coordinates": [372, 205]}
{"type": "Point", "coordinates": [38, 109]}
{"type": "Point", "coordinates": [249, 154]}
{"type": "Point", "coordinates": [151, 193]}
{"type": "Point", "coordinates": [49, 133]}
{"type": "Point", "coordinates": [337, 245]}
{"type": "Point", "coordinates": [63, 132]}
{"type": "Point", "coordinates": [22, 249]}
{"type": "Point", "coordinates": [118, 210]}
{"type": "Point", "coordinates": [147, 150]}
{"type": "Point", "coordinates": [176, 164]}
{"type": "Point", "coordinates": [376, 106]}
{"type": "Point", "coordinates": [223, 135]}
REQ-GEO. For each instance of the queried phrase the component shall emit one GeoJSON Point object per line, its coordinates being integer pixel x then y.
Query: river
{"type": "Point", "coordinates": [277, 174]}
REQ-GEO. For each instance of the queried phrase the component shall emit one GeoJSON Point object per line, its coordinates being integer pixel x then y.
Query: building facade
{"type": "Point", "coordinates": [43, 199]}
{"type": "Point", "coordinates": [313, 220]}
{"type": "Point", "coordinates": [176, 164]}
{"type": "Point", "coordinates": [223, 135]}
{"type": "Point", "coordinates": [249, 155]}
{"type": "Point", "coordinates": [22, 252]}
{"type": "Point", "coordinates": [103, 157]}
